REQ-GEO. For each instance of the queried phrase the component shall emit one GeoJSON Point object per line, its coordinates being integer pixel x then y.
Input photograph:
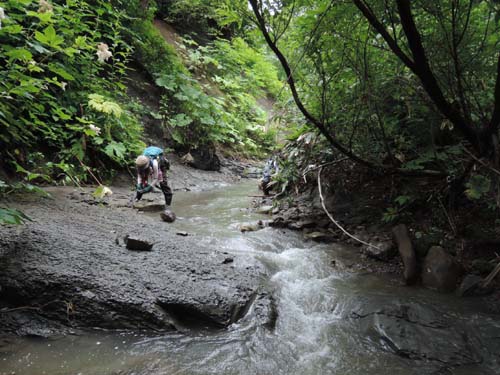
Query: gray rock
{"type": "Point", "coordinates": [72, 257]}
{"type": "Point", "coordinates": [135, 243]}
{"type": "Point", "coordinates": [264, 210]}
{"type": "Point", "coordinates": [405, 248]}
{"type": "Point", "coordinates": [205, 158]}
{"type": "Point", "coordinates": [472, 286]}
{"type": "Point", "coordinates": [168, 216]}
{"type": "Point", "coordinates": [320, 236]}
{"type": "Point", "coordinates": [381, 250]}
{"type": "Point", "coordinates": [183, 234]}
{"type": "Point", "coordinates": [440, 270]}
{"type": "Point", "coordinates": [468, 286]}
{"type": "Point", "coordinates": [413, 331]}
{"type": "Point", "coordinates": [251, 227]}
{"type": "Point", "coordinates": [301, 224]}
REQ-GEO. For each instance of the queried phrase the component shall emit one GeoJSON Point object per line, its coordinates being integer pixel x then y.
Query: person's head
{"type": "Point", "coordinates": [142, 163]}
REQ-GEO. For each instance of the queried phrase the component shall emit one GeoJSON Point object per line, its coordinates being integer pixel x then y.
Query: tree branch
{"type": "Point", "coordinates": [291, 83]}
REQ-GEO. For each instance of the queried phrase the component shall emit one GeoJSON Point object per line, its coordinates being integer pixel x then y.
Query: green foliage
{"type": "Point", "coordinates": [50, 68]}
{"type": "Point", "coordinates": [224, 109]}
{"type": "Point", "coordinates": [11, 216]}
{"type": "Point", "coordinates": [477, 186]}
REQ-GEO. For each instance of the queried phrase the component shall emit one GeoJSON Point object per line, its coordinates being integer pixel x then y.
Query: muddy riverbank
{"type": "Point", "coordinates": [315, 316]}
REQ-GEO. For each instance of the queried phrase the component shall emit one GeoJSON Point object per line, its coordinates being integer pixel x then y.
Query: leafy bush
{"type": "Point", "coordinates": [53, 57]}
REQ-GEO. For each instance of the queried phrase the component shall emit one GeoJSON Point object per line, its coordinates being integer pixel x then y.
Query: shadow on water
{"type": "Point", "coordinates": [329, 321]}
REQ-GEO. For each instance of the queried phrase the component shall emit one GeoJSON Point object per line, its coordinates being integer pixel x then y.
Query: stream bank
{"type": "Point", "coordinates": [312, 314]}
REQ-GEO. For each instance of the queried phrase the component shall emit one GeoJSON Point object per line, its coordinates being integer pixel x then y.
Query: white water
{"type": "Point", "coordinates": [315, 332]}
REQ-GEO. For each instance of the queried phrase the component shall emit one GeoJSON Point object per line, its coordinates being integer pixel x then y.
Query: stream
{"type": "Point", "coordinates": [329, 320]}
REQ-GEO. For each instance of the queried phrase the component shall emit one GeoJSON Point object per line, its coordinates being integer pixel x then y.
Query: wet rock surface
{"type": "Point", "coordinates": [135, 243]}
{"type": "Point", "coordinates": [70, 272]}
{"type": "Point", "coordinates": [417, 332]}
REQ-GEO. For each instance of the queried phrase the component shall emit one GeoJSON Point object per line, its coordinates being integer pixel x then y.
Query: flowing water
{"type": "Point", "coordinates": [329, 321]}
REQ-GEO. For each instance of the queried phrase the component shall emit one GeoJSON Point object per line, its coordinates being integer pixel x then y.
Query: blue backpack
{"type": "Point", "coordinates": [153, 152]}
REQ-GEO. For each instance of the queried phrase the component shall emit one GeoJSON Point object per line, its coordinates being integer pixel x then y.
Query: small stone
{"type": "Point", "coordinates": [134, 243]}
{"type": "Point", "coordinates": [183, 234]}
{"type": "Point", "coordinates": [227, 260]}
{"type": "Point", "coordinates": [168, 216]}
{"type": "Point", "coordinates": [320, 237]}
{"type": "Point", "coordinates": [265, 210]}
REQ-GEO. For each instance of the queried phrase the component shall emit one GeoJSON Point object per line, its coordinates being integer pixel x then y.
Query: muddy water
{"type": "Point", "coordinates": [329, 321]}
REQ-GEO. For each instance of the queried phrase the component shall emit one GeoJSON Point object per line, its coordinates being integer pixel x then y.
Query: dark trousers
{"type": "Point", "coordinates": [164, 166]}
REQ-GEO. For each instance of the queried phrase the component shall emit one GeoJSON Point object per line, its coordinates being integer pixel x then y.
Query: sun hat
{"type": "Point", "coordinates": [142, 162]}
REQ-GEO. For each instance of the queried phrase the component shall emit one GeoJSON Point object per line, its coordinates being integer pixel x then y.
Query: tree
{"type": "Point", "coordinates": [449, 46]}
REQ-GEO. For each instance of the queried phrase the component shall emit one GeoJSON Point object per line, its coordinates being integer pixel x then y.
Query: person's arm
{"type": "Point", "coordinates": [154, 183]}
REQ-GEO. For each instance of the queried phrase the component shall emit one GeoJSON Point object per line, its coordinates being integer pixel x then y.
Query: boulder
{"type": "Point", "coordinates": [472, 286]}
{"type": "Point", "coordinates": [187, 159]}
{"type": "Point", "coordinates": [205, 158]}
{"type": "Point", "coordinates": [135, 243]}
{"type": "Point", "coordinates": [405, 248]}
{"type": "Point", "coordinates": [441, 271]}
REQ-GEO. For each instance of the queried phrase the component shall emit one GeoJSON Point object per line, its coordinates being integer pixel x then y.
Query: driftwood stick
{"type": "Point", "coordinates": [481, 162]}
{"type": "Point", "coordinates": [88, 170]}
{"type": "Point", "coordinates": [307, 170]}
{"type": "Point", "coordinates": [335, 221]}
{"type": "Point", "coordinates": [491, 276]}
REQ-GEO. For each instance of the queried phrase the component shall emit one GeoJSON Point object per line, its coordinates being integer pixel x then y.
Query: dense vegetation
{"type": "Point", "coordinates": [405, 88]}
{"type": "Point", "coordinates": [65, 114]}
{"type": "Point", "coordinates": [401, 88]}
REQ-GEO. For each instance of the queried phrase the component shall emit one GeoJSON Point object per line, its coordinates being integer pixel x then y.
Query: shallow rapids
{"type": "Point", "coordinates": [329, 321]}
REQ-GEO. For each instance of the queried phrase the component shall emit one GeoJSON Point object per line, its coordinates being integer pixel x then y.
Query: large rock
{"type": "Point", "coordinates": [405, 247]}
{"type": "Point", "coordinates": [205, 158]}
{"type": "Point", "coordinates": [71, 267]}
{"type": "Point", "coordinates": [435, 339]}
{"type": "Point", "coordinates": [472, 285]}
{"type": "Point", "coordinates": [440, 271]}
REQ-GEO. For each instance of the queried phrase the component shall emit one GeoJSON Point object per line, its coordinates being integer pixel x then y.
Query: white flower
{"type": "Point", "coordinates": [63, 85]}
{"type": "Point", "coordinates": [94, 128]}
{"type": "Point", "coordinates": [32, 62]}
{"type": "Point", "coordinates": [103, 53]}
{"type": "Point", "coordinates": [2, 16]}
{"type": "Point", "coordinates": [44, 6]}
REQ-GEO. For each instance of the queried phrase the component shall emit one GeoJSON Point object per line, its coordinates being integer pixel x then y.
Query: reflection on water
{"type": "Point", "coordinates": [329, 321]}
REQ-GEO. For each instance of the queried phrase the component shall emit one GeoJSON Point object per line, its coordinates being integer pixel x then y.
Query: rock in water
{"type": "Point", "coordinates": [405, 247]}
{"type": "Point", "coordinates": [441, 271]}
{"type": "Point", "coordinates": [135, 243]}
{"type": "Point", "coordinates": [168, 216]}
